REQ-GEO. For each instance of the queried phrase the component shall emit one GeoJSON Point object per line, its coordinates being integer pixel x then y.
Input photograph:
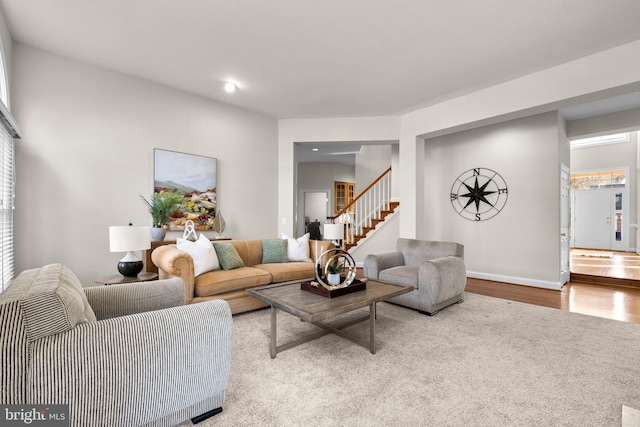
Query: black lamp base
{"type": "Point", "coordinates": [130, 268]}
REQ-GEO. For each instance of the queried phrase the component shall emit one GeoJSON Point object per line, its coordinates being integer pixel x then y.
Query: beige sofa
{"type": "Point", "coordinates": [230, 285]}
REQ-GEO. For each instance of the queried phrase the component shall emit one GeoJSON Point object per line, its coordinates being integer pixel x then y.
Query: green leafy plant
{"type": "Point", "coordinates": [162, 205]}
{"type": "Point", "coordinates": [334, 267]}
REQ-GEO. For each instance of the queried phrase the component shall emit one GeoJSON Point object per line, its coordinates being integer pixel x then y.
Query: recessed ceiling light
{"type": "Point", "coordinates": [314, 149]}
{"type": "Point", "coordinates": [230, 87]}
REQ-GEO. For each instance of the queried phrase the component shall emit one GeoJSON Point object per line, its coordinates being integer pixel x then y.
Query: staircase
{"type": "Point", "coordinates": [382, 215]}
{"type": "Point", "coordinates": [367, 210]}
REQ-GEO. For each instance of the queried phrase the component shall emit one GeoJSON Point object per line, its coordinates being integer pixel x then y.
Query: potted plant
{"type": "Point", "coordinates": [161, 206]}
{"type": "Point", "coordinates": [333, 271]}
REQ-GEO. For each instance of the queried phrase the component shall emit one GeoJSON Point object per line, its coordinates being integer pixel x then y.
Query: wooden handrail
{"type": "Point", "coordinates": [346, 208]}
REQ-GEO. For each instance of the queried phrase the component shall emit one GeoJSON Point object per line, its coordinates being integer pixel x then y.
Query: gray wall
{"type": "Point", "coordinates": [521, 243]}
{"type": "Point", "coordinates": [370, 163]}
{"type": "Point", "coordinates": [87, 155]}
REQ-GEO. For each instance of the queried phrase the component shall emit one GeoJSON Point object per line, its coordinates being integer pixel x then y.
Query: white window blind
{"type": "Point", "coordinates": [7, 186]}
{"type": "Point", "coordinates": [8, 131]}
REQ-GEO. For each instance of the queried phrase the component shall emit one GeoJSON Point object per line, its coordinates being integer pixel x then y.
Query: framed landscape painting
{"type": "Point", "coordinates": [193, 176]}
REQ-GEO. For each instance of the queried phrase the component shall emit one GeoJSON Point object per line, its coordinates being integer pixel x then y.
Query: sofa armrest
{"type": "Point", "coordinates": [443, 278]}
{"type": "Point", "coordinates": [134, 369]}
{"type": "Point", "coordinates": [129, 298]}
{"type": "Point", "coordinates": [318, 247]}
{"type": "Point", "coordinates": [172, 262]}
{"type": "Point", "coordinates": [375, 263]}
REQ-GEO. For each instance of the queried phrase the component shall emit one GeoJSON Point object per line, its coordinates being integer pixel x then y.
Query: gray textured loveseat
{"type": "Point", "coordinates": [435, 269]}
{"type": "Point", "coordinates": [123, 355]}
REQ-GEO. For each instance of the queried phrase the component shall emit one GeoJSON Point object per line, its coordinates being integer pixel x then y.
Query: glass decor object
{"type": "Point", "coordinates": [335, 261]}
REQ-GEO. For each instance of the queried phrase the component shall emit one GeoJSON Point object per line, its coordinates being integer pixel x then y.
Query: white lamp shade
{"type": "Point", "coordinates": [128, 238]}
{"type": "Point", "coordinates": [333, 231]}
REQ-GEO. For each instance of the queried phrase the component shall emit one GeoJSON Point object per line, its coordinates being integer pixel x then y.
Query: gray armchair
{"type": "Point", "coordinates": [435, 269]}
{"type": "Point", "coordinates": [120, 355]}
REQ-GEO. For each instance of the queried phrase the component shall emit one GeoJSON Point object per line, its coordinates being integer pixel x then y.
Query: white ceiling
{"type": "Point", "coordinates": [329, 58]}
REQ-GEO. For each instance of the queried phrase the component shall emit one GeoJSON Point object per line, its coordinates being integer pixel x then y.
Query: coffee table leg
{"type": "Point", "coordinates": [272, 346]}
{"type": "Point", "coordinates": [372, 328]}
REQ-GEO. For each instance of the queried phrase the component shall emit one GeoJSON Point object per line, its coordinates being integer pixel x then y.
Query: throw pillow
{"type": "Point", "coordinates": [203, 254]}
{"type": "Point", "coordinates": [228, 256]}
{"type": "Point", "coordinates": [298, 249]}
{"type": "Point", "coordinates": [274, 251]}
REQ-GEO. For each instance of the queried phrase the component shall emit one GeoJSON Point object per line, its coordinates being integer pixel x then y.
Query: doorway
{"type": "Point", "coordinates": [314, 209]}
{"type": "Point", "coordinates": [600, 210]}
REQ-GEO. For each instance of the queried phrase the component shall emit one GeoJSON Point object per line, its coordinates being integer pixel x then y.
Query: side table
{"type": "Point", "coordinates": [116, 279]}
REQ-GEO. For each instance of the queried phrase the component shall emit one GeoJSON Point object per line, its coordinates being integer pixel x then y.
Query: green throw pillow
{"type": "Point", "coordinates": [228, 256]}
{"type": "Point", "coordinates": [274, 251]}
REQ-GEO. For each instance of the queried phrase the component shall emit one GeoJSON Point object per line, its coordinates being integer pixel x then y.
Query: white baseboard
{"type": "Point", "coordinates": [516, 280]}
{"type": "Point", "coordinates": [508, 279]}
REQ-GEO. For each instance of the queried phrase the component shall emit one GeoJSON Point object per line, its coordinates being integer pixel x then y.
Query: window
{"type": "Point", "coordinates": [598, 179]}
{"type": "Point", "coordinates": [600, 140]}
{"type": "Point", "coordinates": [8, 130]}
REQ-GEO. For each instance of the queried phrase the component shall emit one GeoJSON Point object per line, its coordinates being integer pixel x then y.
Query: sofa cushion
{"type": "Point", "coordinates": [222, 281]}
{"type": "Point", "coordinates": [203, 253]}
{"type": "Point", "coordinates": [298, 249]}
{"type": "Point", "coordinates": [289, 271]}
{"type": "Point", "coordinates": [274, 251]}
{"type": "Point", "coordinates": [403, 275]}
{"type": "Point", "coordinates": [51, 300]}
{"type": "Point", "coordinates": [228, 256]}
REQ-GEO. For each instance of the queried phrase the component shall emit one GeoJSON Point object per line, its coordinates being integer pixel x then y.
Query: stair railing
{"type": "Point", "coordinates": [358, 216]}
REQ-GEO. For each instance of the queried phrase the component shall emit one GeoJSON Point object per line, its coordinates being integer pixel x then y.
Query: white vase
{"type": "Point", "coordinates": [333, 278]}
{"type": "Point", "coordinates": [157, 234]}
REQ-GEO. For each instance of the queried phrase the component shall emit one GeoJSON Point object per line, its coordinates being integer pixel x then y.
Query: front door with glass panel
{"type": "Point", "coordinates": [598, 211]}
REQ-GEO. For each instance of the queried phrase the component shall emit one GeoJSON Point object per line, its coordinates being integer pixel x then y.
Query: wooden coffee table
{"type": "Point", "coordinates": [314, 309]}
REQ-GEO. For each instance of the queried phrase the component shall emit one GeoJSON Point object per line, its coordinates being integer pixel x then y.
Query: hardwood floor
{"type": "Point", "coordinates": [603, 283]}
{"type": "Point", "coordinates": [608, 301]}
{"type": "Point", "coordinates": [617, 265]}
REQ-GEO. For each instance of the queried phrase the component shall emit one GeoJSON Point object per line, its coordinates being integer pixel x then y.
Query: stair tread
{"type": "Point", "coordinates": [378, 217]}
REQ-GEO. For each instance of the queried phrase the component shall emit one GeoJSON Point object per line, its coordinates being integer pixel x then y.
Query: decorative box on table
{"type": "Point", "coordinates": [316, 288]}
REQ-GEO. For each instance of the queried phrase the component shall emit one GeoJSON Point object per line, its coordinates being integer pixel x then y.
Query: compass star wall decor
{"type": "Point", "coordinates": [479, 194]}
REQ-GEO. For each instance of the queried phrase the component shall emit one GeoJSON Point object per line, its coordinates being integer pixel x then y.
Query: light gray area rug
{"type": "Point", "coordinates": [485, 362]}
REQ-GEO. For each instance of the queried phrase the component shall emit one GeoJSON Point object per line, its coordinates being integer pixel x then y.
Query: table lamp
{"type": "Point", "coordinates": [335, 233]}
{"type": "Point", "coordinates": [129, 239]}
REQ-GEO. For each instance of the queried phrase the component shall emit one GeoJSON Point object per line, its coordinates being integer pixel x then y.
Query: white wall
{"type": "Point", "coordinates": [395, 172]}
{"type": "Point", "coordinates": [7, 48]}
{"type": "Point", "coordinates": [87, 154]}
{"type": "Point", "coordinates": [370, 163]}
{"type": "Point", "coordinates": [315, 206]}
{"type": "Point", "coordinates": [521, 242]}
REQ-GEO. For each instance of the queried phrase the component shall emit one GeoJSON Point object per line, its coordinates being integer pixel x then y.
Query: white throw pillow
{"type": "Point", "coordinates": [203, 254]}
{"type": "Point", "coordinates": [298, 249]}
